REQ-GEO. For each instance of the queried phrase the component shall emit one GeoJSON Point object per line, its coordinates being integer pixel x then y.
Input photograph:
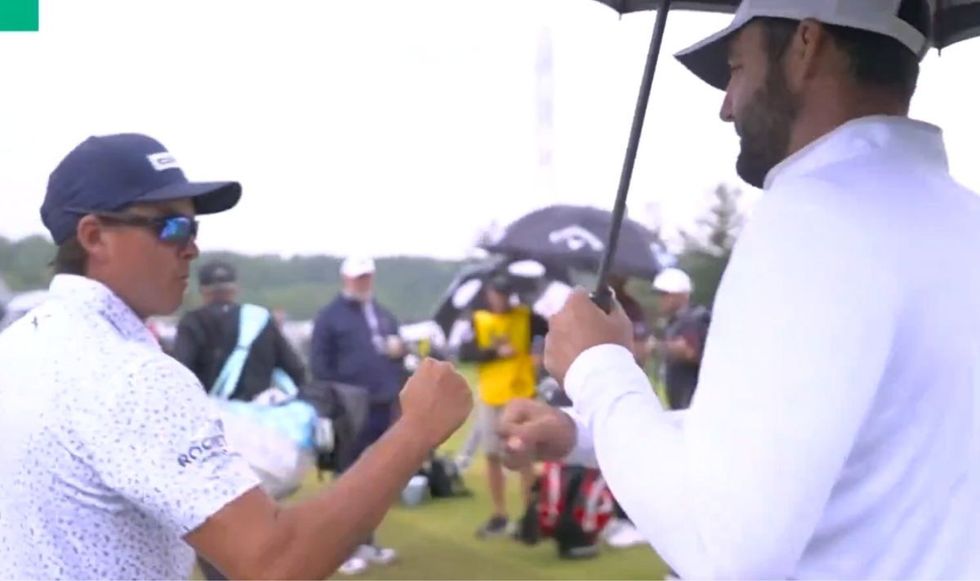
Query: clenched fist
{"type": "Point", "coordinates": [436, 401]}
{"type": "Point", "coordinates": [579, 326]}
{"type": "Point", "coordinates": [533, 431]}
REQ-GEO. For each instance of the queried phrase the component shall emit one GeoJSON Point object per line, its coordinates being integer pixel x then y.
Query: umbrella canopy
{"type": "Point", "coordinates": [954, 20]}
{"type": "Point", "coordinates": [530, 279]}
{"type": "Point", "coordinates": [627, 6]}
{"type": "Point", "coordinates": [575, 237]}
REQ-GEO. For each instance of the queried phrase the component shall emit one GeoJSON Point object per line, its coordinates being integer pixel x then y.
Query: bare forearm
{"type": "Point", "coordinates": [318, 534]}
{"type": "Point", "coordinates": [254, 537]}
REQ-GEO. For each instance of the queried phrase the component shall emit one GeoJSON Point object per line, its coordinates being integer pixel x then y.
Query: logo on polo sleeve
{"type": "Point", "coordinates": [210, 445]}
{"type": "Point", "coordinates": [203, 450]}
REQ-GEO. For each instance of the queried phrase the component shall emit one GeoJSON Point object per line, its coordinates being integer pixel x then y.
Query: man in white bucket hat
{"type": "Point", "coordinates": [834, 431]}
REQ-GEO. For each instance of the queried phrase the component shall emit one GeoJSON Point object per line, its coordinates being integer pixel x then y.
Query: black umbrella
{"type": "Point", "coordinates": [575, 236]}
{"type": "Point", "coordinates": [955, 20]}
{"type": "Point", "coordinates": [529, 279]}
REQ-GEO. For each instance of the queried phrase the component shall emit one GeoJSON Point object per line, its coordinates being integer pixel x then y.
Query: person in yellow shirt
{"type": "Point", "coordinates": [501, 346]}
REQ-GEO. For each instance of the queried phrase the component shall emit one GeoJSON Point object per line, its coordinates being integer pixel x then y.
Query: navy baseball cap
{"type": "Point", "coordinates": [112, 172]}
{"type": "Point", "coordinates": [500, 282]}
{"type": "Point", "coordinates": [216, 272]}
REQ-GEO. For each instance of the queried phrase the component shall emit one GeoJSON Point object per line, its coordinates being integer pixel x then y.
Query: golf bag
{"type": "Point", "coordinates": [569, 503]}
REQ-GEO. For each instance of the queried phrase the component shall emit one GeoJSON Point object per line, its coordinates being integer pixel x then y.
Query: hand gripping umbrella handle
{"type": "Point", "coordinates": [603, 294]}
{"type": "Point", "coordinates": [603, 298]}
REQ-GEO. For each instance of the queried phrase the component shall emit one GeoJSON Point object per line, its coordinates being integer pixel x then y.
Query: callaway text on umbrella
{"type": "Point", "coordinates": [575, 237]}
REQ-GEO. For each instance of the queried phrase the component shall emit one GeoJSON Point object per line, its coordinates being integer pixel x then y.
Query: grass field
{"type": "Point", "coordinates": [437, 540]}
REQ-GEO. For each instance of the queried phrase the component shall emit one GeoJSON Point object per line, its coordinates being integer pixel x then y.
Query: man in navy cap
{"type": "Point", "coordinates": [114, 462]}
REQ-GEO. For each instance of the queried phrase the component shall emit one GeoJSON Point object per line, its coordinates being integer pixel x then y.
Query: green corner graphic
{"type": "Point", "coordinates": [18, 15]}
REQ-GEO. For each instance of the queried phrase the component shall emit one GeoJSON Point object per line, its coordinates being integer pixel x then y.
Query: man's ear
{"type": "Point", "coordinates": [91, 235]}
{"type": "Point", "coordinates": [805, 51]}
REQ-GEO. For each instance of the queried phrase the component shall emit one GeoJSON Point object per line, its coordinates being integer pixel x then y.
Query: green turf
{"type": "Point", "coordinates": [437, 540]}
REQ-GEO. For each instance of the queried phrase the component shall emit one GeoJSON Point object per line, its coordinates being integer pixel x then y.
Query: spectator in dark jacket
{"type": "Point", "coordinates": [208, 335]}
{"type": "Point", "coordinates": [685, 335]}
{"type": "Point", "coordinates": [356, 341]}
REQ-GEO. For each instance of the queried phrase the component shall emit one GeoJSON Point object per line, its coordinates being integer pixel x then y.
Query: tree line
{"type": "Point", "coordinates": [410, 286]}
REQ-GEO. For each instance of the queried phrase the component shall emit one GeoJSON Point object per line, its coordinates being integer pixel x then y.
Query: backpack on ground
{"type": "Point", "coordinates": [445, 479]}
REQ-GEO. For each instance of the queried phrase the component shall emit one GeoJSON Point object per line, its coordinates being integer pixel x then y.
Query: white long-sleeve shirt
{"type": "Point", "coordinates": [835, 432]}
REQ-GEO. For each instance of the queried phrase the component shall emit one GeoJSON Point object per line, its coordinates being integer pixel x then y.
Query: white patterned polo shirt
{"type": "Point", "coordinates": [110, 450]}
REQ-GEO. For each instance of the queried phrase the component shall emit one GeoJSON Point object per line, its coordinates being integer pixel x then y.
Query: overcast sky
{"type": "Point", "coordinates": [391, 126]}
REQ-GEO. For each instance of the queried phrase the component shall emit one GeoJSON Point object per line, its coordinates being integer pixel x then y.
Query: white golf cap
{"type": "Point", "coordinates": [355, 266]}
{"type": "Point", "coordinates": [673, 281]}
{"type": "Point", "coordinates": [708, 59]}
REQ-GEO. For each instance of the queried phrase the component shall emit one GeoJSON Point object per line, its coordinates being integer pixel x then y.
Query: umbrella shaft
{"type": "Point", "coordinates": [603, 294]}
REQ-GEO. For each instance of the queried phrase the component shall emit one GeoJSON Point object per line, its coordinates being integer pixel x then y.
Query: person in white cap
{"type": "Point", "coordinates": [670, 283]}
{"type": "Point", "coordinates": [684, 337]}
{"type": "Point", "coordinates": [835, 430]}
{"type": "Point", "coordinates": [356, 341]}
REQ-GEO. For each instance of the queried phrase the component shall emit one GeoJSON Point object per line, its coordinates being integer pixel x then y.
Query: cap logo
{"type": "Point", "coordinates": [162, 161]}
